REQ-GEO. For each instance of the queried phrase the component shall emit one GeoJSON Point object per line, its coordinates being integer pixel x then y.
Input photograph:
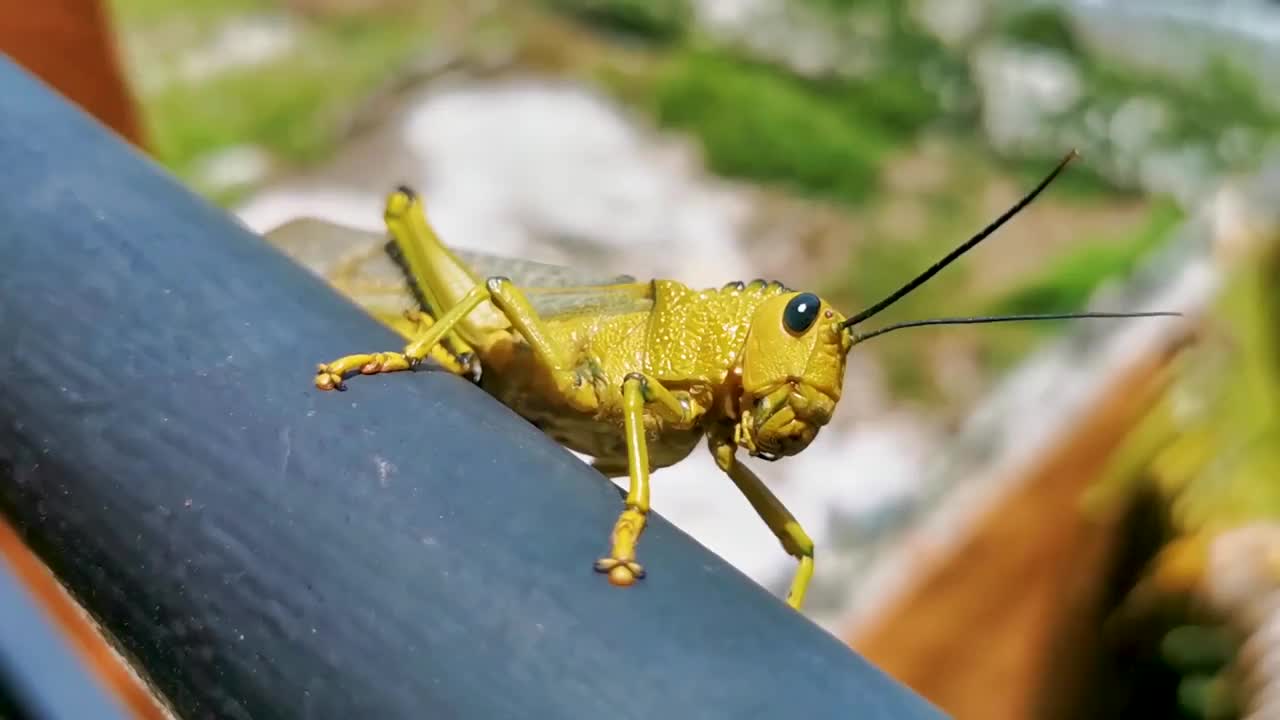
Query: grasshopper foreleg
{"type": "Point", "coordinates": [637, 393]}
{"type": "Point", "coordinates": [780, 520]}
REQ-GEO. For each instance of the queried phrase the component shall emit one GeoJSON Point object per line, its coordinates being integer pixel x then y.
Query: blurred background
{"type": "Point", "coordinates": [1020, 521]}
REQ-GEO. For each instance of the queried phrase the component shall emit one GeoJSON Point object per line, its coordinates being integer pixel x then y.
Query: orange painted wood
{"type": "Point", "coordinates": [84, 636]}
{"type": "Point", "coordinates": [71, 45]}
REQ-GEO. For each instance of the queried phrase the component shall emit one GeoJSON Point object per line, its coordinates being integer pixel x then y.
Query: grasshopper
{"type": "Point", "coordinates": [635, 374]}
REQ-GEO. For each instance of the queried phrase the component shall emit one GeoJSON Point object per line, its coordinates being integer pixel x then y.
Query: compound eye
{"type": "Point", "coordinates": [801, 313]}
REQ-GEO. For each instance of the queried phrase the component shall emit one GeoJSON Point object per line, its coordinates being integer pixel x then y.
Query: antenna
{"type": "Point", "coordinates": [860, 337]}
{"type": "Point", "coordinates": [966, 247]}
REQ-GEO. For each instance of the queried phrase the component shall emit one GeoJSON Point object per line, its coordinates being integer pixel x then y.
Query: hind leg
{"type": "Point", "coordinates": [463, 316]}
{"type": "Point", "coordinates": [441, 278]}
{"type": "Point", "coordinates": [329, 376]}
{"type": "Point", "coordinates": [572, 384]}
{"type": "Point", "coordinates": [455, 360]}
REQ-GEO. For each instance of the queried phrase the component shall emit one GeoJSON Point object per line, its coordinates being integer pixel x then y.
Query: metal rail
{"type": "Point", "coordinates": [410, 549]}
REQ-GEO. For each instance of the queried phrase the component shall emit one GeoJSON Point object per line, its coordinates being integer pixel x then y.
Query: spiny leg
{"type": "Point", "coordinates": [458, 363]}
{"type": "Point", "coordinates": [780, 520]}
{"type": "Point", "coordinates": [414, 239]}
{"type": "Point", "coordinates": [329, 376]}
{"type": "Point", "coordinates": [637, 392]}
{"type": "Point", "coordinates": [508, 299]}
{"type": "Point", "coordinates": [505, 296]}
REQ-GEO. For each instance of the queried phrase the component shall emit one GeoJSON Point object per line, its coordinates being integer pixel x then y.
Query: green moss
{"type": "Point", "coordinates": [653, 20]}
{"type": "Point", "coordinates": [760, 123]}
{"type": "Point", "coordinates": [1083, 181]}
{"type": "Point", "coordinates": [1199, 109]}
{"type": "Point", "coordinates": [825, 137]}
{"type": "Point", "coordinates": [1047, 27]}
{"type": "Point", "coordinates": [291, 106]}
{"type": "Point", "coordinates": [1068, 284]}
{"type": "Point", "coordinates": [1223, 97]}
{"type": "Point", "coordinates": [138, 14]}
{"type": "Point", "coordinates": [893, 94]}
{"type": "Point", "coordinates": [822, 135]}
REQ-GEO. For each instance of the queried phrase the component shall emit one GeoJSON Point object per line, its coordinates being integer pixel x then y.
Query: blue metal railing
{"type": "Point", "coordinates": [265, 550]}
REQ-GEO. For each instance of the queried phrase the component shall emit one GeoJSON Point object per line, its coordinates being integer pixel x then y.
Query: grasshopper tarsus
{"type": "Point", "coordinates": [621, 572]}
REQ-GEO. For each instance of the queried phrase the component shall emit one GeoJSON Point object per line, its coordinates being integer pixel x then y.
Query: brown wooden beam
{"type": "Point", "coordinates": [1004, 626]}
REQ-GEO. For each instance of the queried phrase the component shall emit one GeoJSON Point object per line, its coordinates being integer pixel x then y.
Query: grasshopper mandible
{"type": "Point", "coordinates": [635, 374]}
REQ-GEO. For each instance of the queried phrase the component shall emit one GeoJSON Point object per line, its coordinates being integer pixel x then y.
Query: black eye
{"type": "Point", "coordinates": [800, 313]}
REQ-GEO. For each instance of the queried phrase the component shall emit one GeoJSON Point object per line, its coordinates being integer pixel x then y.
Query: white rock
{"type": "Point", "coordinates": [1021, 89]}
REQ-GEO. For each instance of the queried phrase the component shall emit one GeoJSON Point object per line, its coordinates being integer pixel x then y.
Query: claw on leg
{"type": "Point", "coordinates": [458, 358]}
{"type": "Point", "coordinates": [329, 376]}
{"type": "Point", "coordinates": [386, 362]}
{"type": "Point", "coordinates": [621, 566]}
{"type": "Point", "coordinates": [620, 572]}
{"type": "Point", "coordinates": [780, 520]}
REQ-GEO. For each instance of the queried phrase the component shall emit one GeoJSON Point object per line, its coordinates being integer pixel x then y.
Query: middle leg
{"type": "Point", "coordinates": [637, 392]}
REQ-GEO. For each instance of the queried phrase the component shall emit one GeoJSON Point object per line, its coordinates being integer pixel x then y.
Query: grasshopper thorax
{"type": "Point", "coordinates": [792, 371]}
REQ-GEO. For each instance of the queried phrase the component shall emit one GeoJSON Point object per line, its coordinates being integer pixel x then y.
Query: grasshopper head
{"type": "Point", "coordinates": [792, 373]}
{"type": "Point", "coordinates": [793, 362]}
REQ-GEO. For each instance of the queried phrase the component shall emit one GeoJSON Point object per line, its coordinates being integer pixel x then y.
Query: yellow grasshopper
{"type": "Point", "coordinates": [634, 374]}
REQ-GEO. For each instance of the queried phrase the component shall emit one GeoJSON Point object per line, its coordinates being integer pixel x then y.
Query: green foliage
{"type": "Point", "coordinates": [1084, 181]}
{"type": "Point", "coordinates": [1224, 97]}
{"type": "Point", "coordinates": [893, 93]}
{"type": "Point", "coordinates": [895, 10]}
{"type": "Point", "coordinates": [653, 20]}
{"type": "Point", "coordinates": [761, 123]}
{"type": "Point", "coordinates": [136, 14]}
{"type": "Point", "coordinates": [291, 106]}
{"type": "Point", "coordinates": [1198, 109]}
{"type": "Point", "coordinates": [1198, 648]}
{"type": "Point", "coordinates": [1068, 284]}
{"type": "Point", "coordinates": [1047, 27]}
{"type": "Point", "coordinates": [1208, 448]}
{"type": "Point", "coordinates": [825, 135]}
{"type": "Point", "coordinates": [1209, 697]}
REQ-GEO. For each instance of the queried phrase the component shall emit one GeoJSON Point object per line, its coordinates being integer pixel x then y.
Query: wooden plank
{"type": "Point", "coordinates": [83, 636]}
{"type": "Point", "coordinates": [1001, 628]}
{"type": "Point", "coordinates": [40, 675]}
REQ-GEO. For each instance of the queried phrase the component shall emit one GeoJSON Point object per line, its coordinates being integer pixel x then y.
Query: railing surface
{"type": "Point", "coordinates": [408, 549]}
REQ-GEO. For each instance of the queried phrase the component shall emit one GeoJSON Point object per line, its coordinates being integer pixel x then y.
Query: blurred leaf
{"type": "Point", "coordinates": [145, 13]}
{"type": "Point", "coordinates": [1208, 697]}
{"type": "Point", "coordinates": [1047, 27]}
{"type": "Point", "coordinates": [760, 123]}
{"type": "Point", "coordinates": [655, 20]}
{"type": "Point", "coordinates": [1198, 648]}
